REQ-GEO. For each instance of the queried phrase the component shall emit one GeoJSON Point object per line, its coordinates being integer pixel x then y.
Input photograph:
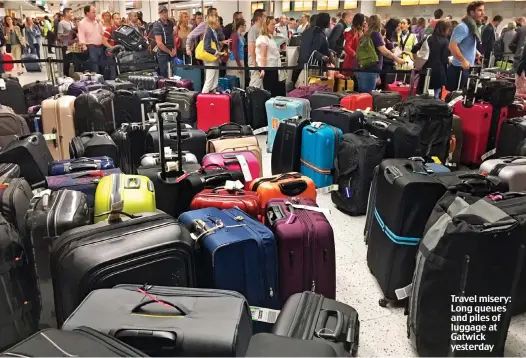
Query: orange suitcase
{"type": "Point", "coordinates": [283, 186]}
{"type": "Point", "coordinates": [356, 101]}
{"type": "Point", "coordinates": [58, 126]}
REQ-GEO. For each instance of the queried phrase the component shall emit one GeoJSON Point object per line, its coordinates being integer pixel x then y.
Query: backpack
{"type": "Point", "coordinates": [498, 48]}
{"type": "Point", "coordinates": [366, 52]}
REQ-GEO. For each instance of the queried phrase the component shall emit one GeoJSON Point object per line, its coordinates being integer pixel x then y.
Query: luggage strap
{"type": "Point", "coordinates": [6, 267]}
{"type": "Point", "coordinates": [315, 168]}
{"type": "Point", "coordinates": [400, 240]}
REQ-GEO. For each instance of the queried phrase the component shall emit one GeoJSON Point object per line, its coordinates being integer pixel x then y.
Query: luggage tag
{"type": "Point", "coordinates": [3, 86]}
{"type": "Point", "coordinates": [488, 154]}
{"type": "Point", "coordinates": [233, 185]}
{"type": "Point", "coordinates": [404, 292]}
{"type": "Point", "coordinates": [455, 100]}
{"type": "Point", "coordinates": [311, 208]}
{"type": "Point", "coordinates": [244, 168]}
{"type": "Point", "coordinates": [260, 130]}
{"type": "Point", "coordinates": [266, 315]}
{"type": "Point", "coordinates": [316, 124]}
{"type": "Point", "coordinates": [327, 189]}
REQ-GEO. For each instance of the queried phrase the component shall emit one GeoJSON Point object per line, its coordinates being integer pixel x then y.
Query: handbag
{"type": "Point", "coordinates": [202, 55]}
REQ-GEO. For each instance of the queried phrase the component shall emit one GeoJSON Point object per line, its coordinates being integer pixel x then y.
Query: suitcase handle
{"type": "Point", "coordinates": [286, 176]}
{"type": "Point", "coordinates": [274, 213]}
{"type": "Point", "coordinates": [293, 188]}
{"type": "Point", "coordinates": [141, 305]}
{"type": "Point", "coordinates": [391, 174]}
{"type": "Point", "coordinates": [77, 167]}
{"type": "Point", "coordinates": [380, 124]}
{"type": "Point", "coordinates": [325, 333]}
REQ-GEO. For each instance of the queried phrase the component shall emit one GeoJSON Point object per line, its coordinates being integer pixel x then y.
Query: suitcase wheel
{"type": "Point", "coordinates": [383, 302]}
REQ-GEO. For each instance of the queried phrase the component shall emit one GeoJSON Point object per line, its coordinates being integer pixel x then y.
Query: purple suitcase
{"type": "Point", "coordinates": [188, 84]}
{"type": "Point", "coordinates": [305, 262]}
{"type": "Point", "coordinates": [80, 87]}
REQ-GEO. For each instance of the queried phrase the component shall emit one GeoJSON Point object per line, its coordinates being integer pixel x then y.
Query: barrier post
{"type": "Point", "coordinates": [60, 67]}
{"type": "Point", "coordinates": [51, 72]}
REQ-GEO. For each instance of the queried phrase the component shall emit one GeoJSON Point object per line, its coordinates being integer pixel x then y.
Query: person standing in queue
{"type": "Point", "coordinates": [163, 30]}
{"type": "Point", "coordinates": [90, 34]}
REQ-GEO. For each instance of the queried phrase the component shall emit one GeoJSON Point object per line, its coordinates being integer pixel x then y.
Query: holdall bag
{"type": "Point", "coordinates": [336, 116]}
{"type": "Point", "coordinates": [257, 111]}
{"type": "Point", "coordinates": [12, 95]}
{"type": "Point", "coordinates": [31, 153]}
{"type": "Point", "coordinates": [325, 99]}
{"type": "Point", "coordinates": [119, 84]}
{"type": "Point", "coordinates": [94, 111]}
{"type": "Point", "coordinates": [236, 144]}
{"type": "Point", "coordinates": [187, 101]}
{"type": "Point", "coordinates": [286, 154]}
{"type": "Point", "coordinates": [305, 262]}
{"type": "Point", "coordinates": [134, 194]}
{"type": "Point", "coordinates": [357, 156]}
{"type": "Point", "coordinates": [183, 321]}
{"type": "Point", "coordinates": [130, 38]}
{"type": "Point", "coordinates": [222, 198]}
{"type": "Point", "coordinates": [9, 170]}
{"type": "Point", "coordinates": [234, 234]}
{"type": "Point", "coordinates": [310, 316]}
{"type": "Point", "coordinates": [510, 170]}
{"type": "Point", "coordinates": [280, 108]}
{"type": "Point", "coordinates": [243, 161]}
{"type": "Point", "coordinates": [499, 93]}
{"type": "Point", "coordinates": [48, 216]}
{"type": "Point", "coordinates": [61, 167]}
{"type": "Point", "coordinates": [11, 125]}
{"type": "Point", "coordinates": [38, 91]}
{"type": "Point", "coordinates": [229, 130]}
{"type": "Point", "coordinates": [384, 99]}
{"type": "Point", "coordinates": [58, 124]}
{"type": "Point", "coordinates": [512, 133]}
{"type": "Point", "coordinates": [271, 345]}
{"type": "Point", "coordinates": [79, 87]}
{"type": "Point", "coordinates": [473, 247]}
{"type": "Point", "coordinates": [80, 342]}
{"type": "Point", "coordinates": [136, 63]}
{"type": "Point", "coordinates": [93, 145]}
{"type": "Point", "coordinates": [212, 110]}
{"type": "Point", "coordinates": [239, 110]}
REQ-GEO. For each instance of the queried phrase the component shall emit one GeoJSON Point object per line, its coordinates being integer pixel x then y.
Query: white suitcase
{"type": "Point", "coordinates": [511, 170]}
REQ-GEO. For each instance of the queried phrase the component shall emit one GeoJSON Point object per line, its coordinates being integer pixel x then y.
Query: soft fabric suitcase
{"type": "Point", "coordinates": [192, 140]}
{"type": "Point", "coordinates": [68, 166]}
{"type": "Point", "coordinates": [385, 99]}
{"type": "Point", "coordinates": [9, 170]}
{"type": "Point", "coordinates": [229, 130]}
{"type": "Point", "coordinates": [239, 111]}
{"type": "Point", "coordinates": [236, 144]}
{"type": "Point", "coordinates": [119, 84]}
{"type": "Point", "coordinates": [131, 194]}
{"type": "Point", "coordinates": [15, 195]}
{"type": "Point", "coordinates": [32, 155]}
{"type": "Point", "coordinates": [498, 93]}
{"type": "Point", "coordinates": [127, 106]}
{"type": "Point", "coordinates": [94, 111]}
{"type": "Point", "coordinates": [510, 170]}
{"type": "Point", "coordinates": [212, 110]}
{"type": "Point", "coordinates": [11, 126]}
{"type": "Point", "coordinates": [192, 323]}
{"type": "Point", "coordinates": [93, 145]}
{"type": "Point", "coordinates": [310, 316]}
{"type": "Point", "coordinates": [235, 235]}
{"type": "Point", "coordinates": [81, 342]}
{"type": "Point", "coordinates": [512, 133]}
{"type": "Point", "coordinates": [325, 99]}
{"type": "Point", "coordinates": [271, 345]}
{"type": "Point", "coordinates": [36, 92]}
{"type": "Point", "coordinates": [357, 156]}
{"type": "Point", "coordinates": [240, 161]}
{"type": "Point", "coordinates": [145, 82]}
{"type": "Point", "coordinates": [257, 111]}
{"type": "Point", "coordinates": [57, 122]}
{"type": "Point", "coordinates": [48, 216]}
{"type": "Point", "coordinates": [280, 108]}
{"type": "Point", "coordinates": [12, 95]}
{"type": "Point", "coordinates": [187, 101]}
{"type": "Point", "coordinates": [130, 140]}
{"type": "Point", "coordinates": [319, 145]}
{"type": "Point", "coordinates": [221, 198]}
{"type": "Point", "coordinates": [286, 154]}
{"type": "Point", "coordinates": [336, 116]}
{"type": "Point", "coordinates": [305, 262]}
{"type": "Point", "coordinates": [147, 248]}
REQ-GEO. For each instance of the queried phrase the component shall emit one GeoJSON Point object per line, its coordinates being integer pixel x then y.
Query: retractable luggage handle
{"type": "Point", "coordinates": [160, 126]}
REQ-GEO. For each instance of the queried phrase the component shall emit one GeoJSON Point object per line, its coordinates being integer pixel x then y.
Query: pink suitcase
{"type": "Point", "coordinates": [229, 160]}
{"type": "Point", "coordinates": [212, 110]}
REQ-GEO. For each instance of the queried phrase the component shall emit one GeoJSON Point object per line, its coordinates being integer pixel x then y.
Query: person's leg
{"type": "Point", "coordinates": [215, 79]}
{"type": "Point", "coordinates": [102, 60]}
{"type": "Point", "coordinates": [93, 55]}
{"type": "Point", "coordinates": [269, 82]}
{"type": "Point", "coordinates": [209, 78]}
{"type": "Point", "coordinates": [438, 93]}
{"type": "Point", "coordinates": [255, 79]}
{"type": "Point", "coordinates": [162, 60]}
{"type": "Point", "coordinates": [67, 60]}
{"type": "Point", "coordinates": [453, 75]}
{"type": "Point", "coordinates": [16, 51]}
{"type": "Point", "coordinates": [37, 49]}
{"type": "Point", "coordinates": [112, 65]}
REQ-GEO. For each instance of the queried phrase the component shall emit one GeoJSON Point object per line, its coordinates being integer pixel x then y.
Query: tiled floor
{"type": "Point", "coordinates": [382, 330]}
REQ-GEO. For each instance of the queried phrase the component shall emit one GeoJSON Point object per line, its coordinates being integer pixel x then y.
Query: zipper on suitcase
{"type": "Point", "coordinates": [186, 291]}
{"type": "Point", "coordinates": [310, 283]}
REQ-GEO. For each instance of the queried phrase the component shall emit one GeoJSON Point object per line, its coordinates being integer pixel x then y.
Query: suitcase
{"type": "Point", "coordinates": [336, 116]}
{"type": "Point", "coordinates": [15, 194]}
{"type": "Point", "coordinates": [222, 198]}
{"type": "Point", "coordinates": [212, 110]}
{"type": "Point", "coordinates": [322, 80]}
{"type": "Point", "coordinates": [400, 87]}
{"type": "Point", "coordinates": [127, 106]}
{"type": "Point", "coordinates": [187, 326]}
{"type": "Point", "coordinates": [228, 83]}
{"type": "Point", "coordinates": [287, 146]}
{"type": "Point", "coordinates": [257, 111]}
{"type": "Point", "coordinates": [188, 84]}
{"type": "Point", "coordinates": [356, 101]}
{"type": "Point", "coordinates": [310, 316]}
{"type": "Point", "coordinates": [93, 145]}
{"type": "Point", "coordinates": [31, 153]}
{"type": "Point", "coordinates": [271, 345]}
{"type": "Point", "coordinates": [11, 126]}
{"type": "Point", "coordinates": [498, 93]}
{"type": "Point", "coordinates": [68, 166]}
{"type": "Point", "coordinates": [319, 145]}
{"type": "Point", "coordinates": [145, 82]}
{"type": "Point", "coordinates": [325, 99]}
{"type": "Point", "coordinates": [58, 124]}
{"type": "Point", "coordinates": [280, 108]}
{"type": "Point", "coordinates": [192, 74]}
{"type": "Point", "coordinates": [229, 130]}
{"type": "Point", "coordinates": [79, 87]}
{"type": "Point", "coordinates": [94, 111]}
{"type": "Point", "coordinates": [236, 144]}
{"type": "Point", "coordinates": [130, 140]}
{"type": "Point", "coordinates": [187, 101]}
{"type": "Point", "coordinates": [235, 235]}
{"type": "Point", "coordinates": [510, 170]}
{"type": "Point", "coordinates": [154, 159]}
{"type": "Point", "coordinates": [12, 95]}
{"type": "Point", "coordinates": [240, 161]}
{"type": "Point", "coordinates": [147, 248]}
{"type": "Point", "coordinates": [344, 85]}
{"type": "Point", "coordinates": [283, 186]}
{"type": "Point", "coordinates": [90, 76]}
{"type": "Point", "coordinates": [512, 133]}
{"type": "Point", "coordinates": [8, 67]}
{"type": "Point", "coordinates": [131, 194]}
{"type": "Point", "coordinates": [81, 342]}
{"type": "Point", "coordinates": [9, 170]}
{"type": "Point", "coordinates": [192, 140]}
{"type": "Point", "coordinates": [405, 195]}
{"type": "Point", "coordinates": [385, 99]}
{"type": "Point", "coordinates": [402, 137]}
{"type": "Point", "coordinates": [357, 156]}
{"type": "Point", "coordinates": [85, 182]}
{"type": "Point", "coordinates": [456, 143]}
{"type": "Point", "coordinates": [36, 92]}
{"type": "Point", "coordinates": [239, 111]}
{"type": "Point", "coordinates": [305, 262]}
{"type": "Point", "coordinates": [48, 216]}
{"type": "Point", "coordinates": [119, 84]}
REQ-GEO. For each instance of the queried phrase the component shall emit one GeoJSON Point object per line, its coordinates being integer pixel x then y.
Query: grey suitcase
{"type": "Point", "coordinates": [187, 103]}
{"type": "Point", "coordinates": [510, 170]}
{"type": "Point", "coordinates": [154, 159]}
{"type": "Point", "coordinates": [95, 77]}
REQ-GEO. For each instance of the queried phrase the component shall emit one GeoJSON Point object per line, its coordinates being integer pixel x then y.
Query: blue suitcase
{"type": "Point", "coordinates": [61, 167]}
{"type": "Point", "coordinates": [280, 108]}
{"type": "Point", "coordinates": [193, 75]}
{"type": "Point", "coordinates": [33, 66]}
{"type": "Point", "coordinates": [319, 145]}
{"type": "Point", "coordinates": [228, 83]}
{"type": "Point", "coordinates": [240, 255]}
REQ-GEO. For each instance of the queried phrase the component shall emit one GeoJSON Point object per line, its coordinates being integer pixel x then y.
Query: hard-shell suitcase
{"type": "Point", "coordinates": [130, 140]}
{"type": "Point", "coordinates": [322, 80]}
{"type": "Point", "coordinates": [93, 145]}
{"type": "Point", "coordinates": [31, 66]}
{"type": "Point", "coordinates": [283, 186]}
{"type": "Point", "coordinates": [192, 74]}
{"type": "Point", "coordinates": [286, 154]}
{"type": "Point", "coordinates": [271, 345]}
{"type": "Point", "coordinates": [12, 95]}
{"type": "Point", "coordinates": [512, 133]}
{"type": "Point", "coordinates": [310, 316]}
{"type": "Point", "coordinates": [154, 159]}
{"type": "Point", "coordinates": [356, 101]}
{"type": "Point", "coordinates": [319, 145]}
{"type": "Point", "coordinates": [187, 101]}
{"type": "Point", "coordinates": [145, 82]}
{"type": "Point", "coordinates": [336, 116]}
{"type": "Point", "coordinates": [48, 216]}
{"type": "Point", "coordinates": [229, 130]}
{"type": "Point", "coordinates": [94, 111]}
{"type": "Point", "coordinates": [57, 121]}
{"type": "Point", "coordinates": [127, 106]}
{"type": "Point", "coordinates": [325, 99]}
{"type": "Point", "coordinates": [235, 235]}
{"type": "Point", "coordinates": [32, 155]}
{"type": "Point", "coordinates": [194, 322]}
{"type": "Point", "coordinates": [400, 87]}
{"type": "Point", "coordinates": [385, 99]}
{"type": "Point", "coordinates": [81, 342]}
{"type": "Point", "coordinates": [192, 140]}
{"type": "Point", "coordinates": [119, 84]}
{"type": "Point", "coordinates": [280, 108]}
{"type": "Point", "coordinates": [257, 112]}
{"type": "Point", "coordinates": [241, 161]}
{"type": "Point", "coordinates": [305, 262]}
{"type": "Point", "coordinates": [95, 77]}
{"type": "Point", "coordinates": [228, 83]}
{"type": "Point", "coordinates": [510, 170]}
{"type": "Point", "coordinates": [236, 144]}
{"type": "Point", "coordinates": [239, 111]}
{"type": "Point", "coordinates": [212, 110]}
{"type": "Point", "coordinates": [11, 126]}
{"type": "Point", "coordinates": [344, 85]}
{"type": "Point", "coordinates": [147, 248]}
{"type": "Point", "coordinates": [61, 167]}
{"type": "Point", "coordinates": [357, 156]}
{"type": "Point", "coordinates": [222, 198]}
{"type": "Point", "coordinates": [9, 170]}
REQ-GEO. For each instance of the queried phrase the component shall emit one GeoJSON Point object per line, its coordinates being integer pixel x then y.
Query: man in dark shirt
{"type": "Point", "coordinates": [336, 37]}
{"type": "Point", "coordinates": [489, 35]}
{"type": "Point", "coordinates": [230, 27]}
{"type": "Point", "coordinates": [163, 30]}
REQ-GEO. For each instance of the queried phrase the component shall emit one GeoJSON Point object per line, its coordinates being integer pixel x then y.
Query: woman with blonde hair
{"type": "Point", "coordinates": [16, 40]}
{"type": "Point", "coordinates": [212, 75]}
{"type": "Point", "coordinates": [182, 29]}
{"type": "Point", "coordinates": [267, 55]}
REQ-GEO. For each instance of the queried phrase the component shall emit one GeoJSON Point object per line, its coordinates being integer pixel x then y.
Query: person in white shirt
{"type": "Point", "coordinates": [267, 55]}
{"type": "Point", "coordinates": [304, 23]}
{"type": "Point", "coordinates": [283, 28]}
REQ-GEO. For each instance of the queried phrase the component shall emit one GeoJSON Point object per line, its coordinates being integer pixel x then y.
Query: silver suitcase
{"type": "Point", "coordinates": [95, 77]}
{"type": "Point", "coordinates": [153, 159]}
{"type": "Point", "coordinates": [511, 170]}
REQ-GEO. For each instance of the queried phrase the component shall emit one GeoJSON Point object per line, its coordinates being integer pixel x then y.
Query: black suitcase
{"type": "Point", "coordinates": [48, 216]}
{"type": "Point", "coordinates": [271, 345]}
{"type": "Point", "coordinates": [286, 153]}
{"type": "Point", "coordinates": [499, 93]}
{"type": "Point", "coordinates": [130, 140]}
{"type": "Point", "coordinates": [325, 99]}
{"type": "Point", "coordinates": [11, 126]}
{"type": "Point", "coordinates": [32, 154]}
{"type": "Point", "coordinates": [512, 133]}
{"type": "Point", "coordinates": [310, 316]}
{"type": "Point", "coordinates": [402, 137]}
{"type": "Point", "coordinates": [197, 322]}
{"type": "Point", "coordinates": [257, 113]}
{"type": "Point", "coordinates": [385, 99]}
{"type": "Point", "coordinates": [146, 248]}
{"type": "Point", "coordinates": [119, 84]}
{"type": "Point", "coordinates": [81, 342]}
{"type": "Point", "coordinates": [38, 91]}
{"type": "Point", "coordinates": [12, 95]}
{"type": "Point", "coordinates": [187, 103]}
{"type": "Point", "coordinates": [336, 116]}
{"type": "Point", "coordinates": [229, 130]}
{"type": "Point", "coordinates": [94, 111]}
{"type": "Point", "coordinates": [145, 82]}
{"type": "Point", "coordinates": [239, 112]}
{"type": "Point", "coordinates": [127, 110]}
{"type": "Point", "coordinates": [93, 144]}
{"type": "Point", "coordinates": [358, 154]}
{"type": "Point", "coordinates": [9, 170]}
{"type": "Point", "coordinates": [15, 195]}
{"type": "Point", "coordinates": [192, 140]}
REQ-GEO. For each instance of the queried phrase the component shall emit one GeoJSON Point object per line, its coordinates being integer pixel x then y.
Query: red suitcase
{"type": "Point", "coordinates": [221, 198]}
{"type": "Point", "coordinates": [400, 87]}
{"type": "Point", "coordinates": [212, 110]}
{"type": "Point", "coordinates": [357, 101]}
{"type": "Point", "coordinates": [305, 239]}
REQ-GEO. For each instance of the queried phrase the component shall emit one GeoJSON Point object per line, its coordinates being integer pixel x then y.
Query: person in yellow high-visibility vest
{"type": "Point", "coordinates": [406, 41]}
{"type": "Point", "coordinates": [49, 33]}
